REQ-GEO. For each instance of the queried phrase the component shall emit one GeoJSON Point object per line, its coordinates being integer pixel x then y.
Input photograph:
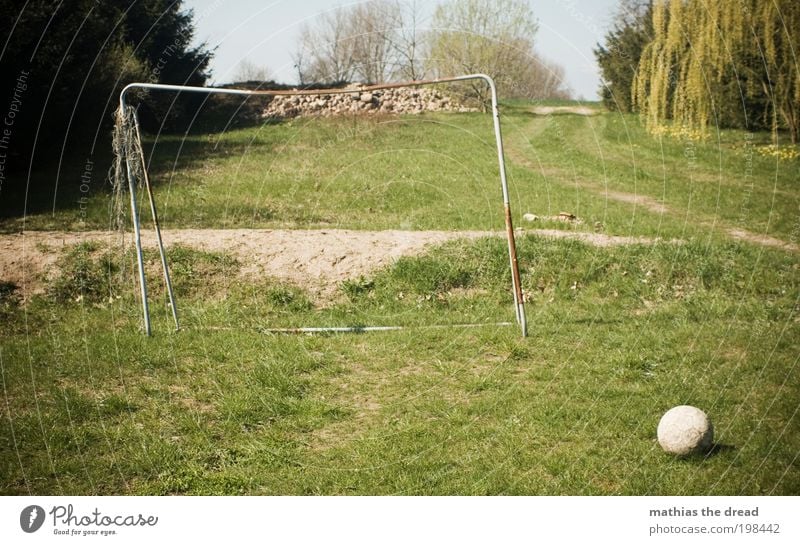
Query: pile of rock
{"type": "Point", "coordinates": [403, 100]}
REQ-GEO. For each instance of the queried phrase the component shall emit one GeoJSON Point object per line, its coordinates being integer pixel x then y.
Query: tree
{"type": "Point", "coordinates": [249, 71]}
{"type": "Point", "coordinates": [63, 66]}
{"type": "Point", "coordinates": [407, 42]}
{"type": "Point", "coordinates": [161, 33]}
{"type": "Point", "coordinates": [779, 75]}
{"type": "Point", "coordinates": [619, 56]}
{"type": "Point", "coordinates": [730, 63]}
{"type": "Point", "coordinates": [371, 27]}
{"type": "Point", "coordinates": [494, 38]}
{"type": "Point", "coordinates": [79, 56]}
{"type": "Point", "coordinates": [368, 42]}
{"type": "Point", "coordinates": [540, 79]}
{"type": "Point", "coordinates": [325, 49]}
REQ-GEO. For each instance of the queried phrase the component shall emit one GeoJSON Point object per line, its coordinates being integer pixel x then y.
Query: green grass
{"type": "Point", "coordinates": [223, 408]}
{"type": "Point", "coordinates": [440, 172]}
{"type": "Point", "coordinates": [617, 335]}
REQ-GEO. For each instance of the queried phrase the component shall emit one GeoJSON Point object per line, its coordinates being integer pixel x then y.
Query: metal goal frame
{"type": "Point", "coordinates": [519, 307]}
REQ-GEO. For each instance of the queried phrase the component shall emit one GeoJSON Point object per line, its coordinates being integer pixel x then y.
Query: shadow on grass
{"type": "Point", "coordinates": [715, 450]}
{"type": "Point", "coordinates": [719, 448]}
{"type": "Point", "coordinates": [50, 188]}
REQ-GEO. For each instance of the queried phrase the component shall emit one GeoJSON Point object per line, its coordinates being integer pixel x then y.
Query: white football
{"type": "Point", "coordinates": [685, 430]}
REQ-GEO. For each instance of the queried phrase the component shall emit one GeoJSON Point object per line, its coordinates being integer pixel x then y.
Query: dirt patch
{"type": "Point", "coordinates": [577, 110]}
{"type": "Point", "coordinates": [763, 240]}
{"type": "Point", "coordinates": [652, 205]}
{"type": "Point", "coordinates": [644, 201]}
{"type": "Point", "coordinates": [639, 200]}
{"type": "Point", "coordinates": [316, 260]}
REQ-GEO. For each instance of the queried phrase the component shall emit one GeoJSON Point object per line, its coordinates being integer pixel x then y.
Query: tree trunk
{"type": "Point", "coordinates": [790, 117]}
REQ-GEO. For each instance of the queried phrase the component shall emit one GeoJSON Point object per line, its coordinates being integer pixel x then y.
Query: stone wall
{"type": "Point", "coordinates": [403, 100]}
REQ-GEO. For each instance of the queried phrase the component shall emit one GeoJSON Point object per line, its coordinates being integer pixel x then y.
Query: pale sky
{"type": "Point", "coordinates": [264, 33]}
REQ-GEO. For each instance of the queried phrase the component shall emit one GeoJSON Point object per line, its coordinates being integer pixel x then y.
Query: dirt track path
{"type": "Point", "coordinates": [318, 260]}
{"type": "Point", "coordinates": [575, 110]}
{"type": "Point", "coordinates": [649, 203]}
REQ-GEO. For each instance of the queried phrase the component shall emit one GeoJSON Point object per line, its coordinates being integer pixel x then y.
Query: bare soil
{"type": "Point", "coordinates": [577, 110]}
{"type": "Point", "coordinates": [317, 260]}
{"type": "Point", "coordinates": [763, 240]}
{"type": "Point", "coordinates": [657, 207]}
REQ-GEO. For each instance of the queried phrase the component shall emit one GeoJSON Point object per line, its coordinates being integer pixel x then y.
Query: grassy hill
{"type": "Point", "coordinates": [704, 314]}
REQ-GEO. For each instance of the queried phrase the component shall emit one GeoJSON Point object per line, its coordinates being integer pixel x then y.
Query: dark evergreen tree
{"type": "Point", "coordinates": [161, 33]}
{"type": "Point", "coordinates": [618, 57]}
{"type": "Point", "coordinates": [64, 63]}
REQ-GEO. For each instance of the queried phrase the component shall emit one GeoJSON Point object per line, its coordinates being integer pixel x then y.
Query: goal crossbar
{"type": "Point", "coordinates": [516, 287]}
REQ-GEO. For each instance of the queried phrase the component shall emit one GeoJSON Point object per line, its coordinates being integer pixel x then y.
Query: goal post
{"type": "Point", "coordinates": [131, 150]}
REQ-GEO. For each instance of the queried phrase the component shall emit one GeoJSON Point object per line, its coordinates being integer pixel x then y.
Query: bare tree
{"type": "Point", "coordinates": [494, 37]}
{"type": "Point", "coordinates": [249, 71]}
{"type": "Point", "coordinates": [372, 42]}
{"type": "Point", "coordinates": [300, 60]}
{"type": "Point", "coordinates": [407, 41]}
{"type": "Point", "coordinates": [372, 25]}
{"type": "Point", "coordinates": [539, 78]}
{"type": "Point", "coordinates": [325, 51]}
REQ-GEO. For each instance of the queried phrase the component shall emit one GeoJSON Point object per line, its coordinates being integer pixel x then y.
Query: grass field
{"type": "Point", "coordinates": [617, 335]}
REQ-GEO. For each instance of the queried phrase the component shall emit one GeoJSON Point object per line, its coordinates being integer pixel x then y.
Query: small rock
{"type": "Point", "coordinates": [530, 217]}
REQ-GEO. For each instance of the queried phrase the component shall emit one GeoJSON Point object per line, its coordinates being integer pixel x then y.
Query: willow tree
{"type": "Point", "coordinates": [722, 62]}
